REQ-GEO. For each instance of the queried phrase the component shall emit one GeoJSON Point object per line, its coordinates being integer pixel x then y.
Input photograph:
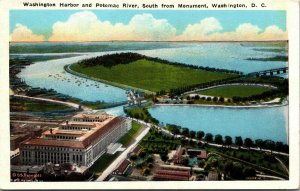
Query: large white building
{"type": "Point", "coordinates": [82, 140]}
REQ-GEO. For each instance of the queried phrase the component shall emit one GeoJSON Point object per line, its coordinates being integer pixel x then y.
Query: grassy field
{"type": "Point", "coordinates": [150, 75]}
{"type": "Point", "coordinates": [35, 106]}
{"type": "Point", "coordinates": [230, 91]}
{"type": "Point", "coordinates": [103, 162]}
{"type": "Point", "coordinates": [254, 157]}
{"type": "Point", "coordinates": [132, 133]}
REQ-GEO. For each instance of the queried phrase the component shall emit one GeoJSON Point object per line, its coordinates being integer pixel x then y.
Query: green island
{"type": "Point", "coordinates": [159, 78]}
{"type": "Point", "coordinates": [236, 90]}
{"type": "Point", "coordinates": [275, 58]}
{"type": "Point", "coordinates": [270, 49]}
{"type": "Point", "coordinates": [267, 44]}
{"type": "Point", "coordinates": [147, 73]}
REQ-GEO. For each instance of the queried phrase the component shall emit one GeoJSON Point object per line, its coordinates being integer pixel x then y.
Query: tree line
{"type": "Point", "coordinates": [281, 84]}
{"type": "Point", "coordinates": [111, 60]}
{"type": "Point", "coordinates": [274, 58]}
{"type": "Point", "coordinates": [143, 114]}
{"type": "Point", "coordinates": [228, 141]}
{"type": "Point", "coordinates": [180, 90]}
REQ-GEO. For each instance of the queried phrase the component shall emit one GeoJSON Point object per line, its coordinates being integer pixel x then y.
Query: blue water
{"type": "Point", "coordinates": [119, 111]}
{"type": "Point", "coordinates": [38, 75]}
{"type": "Point", "coordinates": [230, 56]}
{"type": "Point", "coordinates": [255, 123]}
{"type": "Point", "coordinates": [219, 55]}
{"type": "Point", "coordinates": [264, 123]}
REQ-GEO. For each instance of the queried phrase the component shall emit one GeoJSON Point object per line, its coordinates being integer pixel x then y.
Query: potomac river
{"type": "Point", "coordinates": [264, 123]}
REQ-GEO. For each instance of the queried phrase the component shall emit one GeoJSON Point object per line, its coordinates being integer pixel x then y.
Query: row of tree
{"type": "Point", "coordinates": [194, 66]}
{"type": "Point", "coordinates": [111, 60]}
{"type": "Point", "coordinates": [215, 99]}
{"type": "Point", "coordinates": [281, 84]}
{"type": "Point", "coordinates": [178, 91]}
{"type": "Point", "coordinates": [142, 115]}
{"type": "Point", "coordinates": [274, 58]}
{"type": "Point", "coordinates": [228, 140]}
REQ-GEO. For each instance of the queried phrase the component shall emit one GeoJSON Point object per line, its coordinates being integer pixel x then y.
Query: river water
{"type": "Point", "coordinates": [265, 123]}
{"type": "Point", "coordinates": [255, 123]}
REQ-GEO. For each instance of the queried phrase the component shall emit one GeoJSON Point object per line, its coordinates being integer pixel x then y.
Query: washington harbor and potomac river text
{"type": "Point", "coordinates": [147, 6]}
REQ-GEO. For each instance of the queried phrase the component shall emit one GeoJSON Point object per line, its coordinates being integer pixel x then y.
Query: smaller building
{"type": "Point", "coordinates": [213, 176]}
{"type": "Point", "coordinates": [178, 157]}
{"type": "Point", "coordinates": [113, 148]}
{"type": "Point", "coordinates": [123, 169]}
{"type": "Point", "coordinates": [172, 175]}
{"type": "Point", "coordinates": [201, 154]}
{"type": "Point", "coordinates": [136, 150]}
{"type": "Point", "coordinates": [23, 132]}
{"type": "Point", "coordinates": [66, 172]}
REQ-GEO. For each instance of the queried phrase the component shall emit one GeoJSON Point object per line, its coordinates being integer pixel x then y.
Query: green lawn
{"type": "Point", "coordinates": [131, 134]}
{"type": "Point", "coordinates": [151, 75]}
{"type": "Point", "coordinates": [103, 162]}
{"type": "Point", "coordinates": [35, 105]}
{"type": "Point", "coordinates": [230, 91]}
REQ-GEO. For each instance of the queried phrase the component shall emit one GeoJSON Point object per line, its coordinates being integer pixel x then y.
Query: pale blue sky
{"type": "Point", "coordinates": [41, 21]}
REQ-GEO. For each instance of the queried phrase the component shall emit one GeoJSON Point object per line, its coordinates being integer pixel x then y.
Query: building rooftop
{"type": "Point", "coordinates": [85, 138]}
{"type": "Point", "coordinates": [72, 123]}
{"type": "Point", "coordinates": [122, 167]}
{"type": "Point", "coordinates": [183, 175]}
{"type": "Point", "coordinates": [96, 115]}
{"type": "Point", "coordinates": [63, 132]}
{"type": "Point", "coordinates": [213, 175]}
{"type": "Point", "coordinates": [136, 149]}
{"type": "Point", "coordinates": [202, 155]}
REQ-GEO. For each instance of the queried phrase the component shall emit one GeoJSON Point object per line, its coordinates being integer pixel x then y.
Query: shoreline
{"type": "Point", "coordinates": [224, 106]}
{"type": "Point", "coordinates": [70, 71]}
{"type": "Point", "coordinates": [118, 85]}
{"type": "Point", "coordinates": [231, 84]}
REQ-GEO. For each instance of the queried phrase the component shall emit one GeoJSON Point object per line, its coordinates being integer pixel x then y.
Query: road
{"type": "Point", "coordinates": [270, 177]}
{"type": "Point", "coordinates": [71, 104]}
{"type": "Point", "coordinates": [283, 165]}
{"type": "Point", "coordinates": [124, 155]}
{"type": "Point", "coordinates": [232, 84]}
{"type": "Point", "coordinates": [35, 122]}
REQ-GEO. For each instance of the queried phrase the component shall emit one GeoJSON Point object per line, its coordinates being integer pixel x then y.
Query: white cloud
{"type": "Point", "coordinates": [247, 30]}
{"type": "Point", "coordinates": [273, 32]}
{"type": "Point", "coordinates": [85, 26]}
{"type": "Point", "coordinates": [22, 33]}
{"type": "Point", "coordinates": [146, 27]}
{"type": "Point", "coordinates": [81, 26]}
{"type": "Point", "coordinates": [204, 27]}
{"type": "Point", "coordinates": [202, 30]}
{"type": "Point", "coordinates": [210, 29]}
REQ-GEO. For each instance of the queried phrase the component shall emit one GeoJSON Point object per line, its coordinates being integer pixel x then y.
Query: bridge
{"type": "Point", "coordinates": [270, 72]}
{"type": "Point", "coordinates": [135, 99]}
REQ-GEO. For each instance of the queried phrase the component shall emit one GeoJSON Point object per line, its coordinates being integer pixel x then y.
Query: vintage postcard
{"type": "Point", "coordinates": [171, 94]}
